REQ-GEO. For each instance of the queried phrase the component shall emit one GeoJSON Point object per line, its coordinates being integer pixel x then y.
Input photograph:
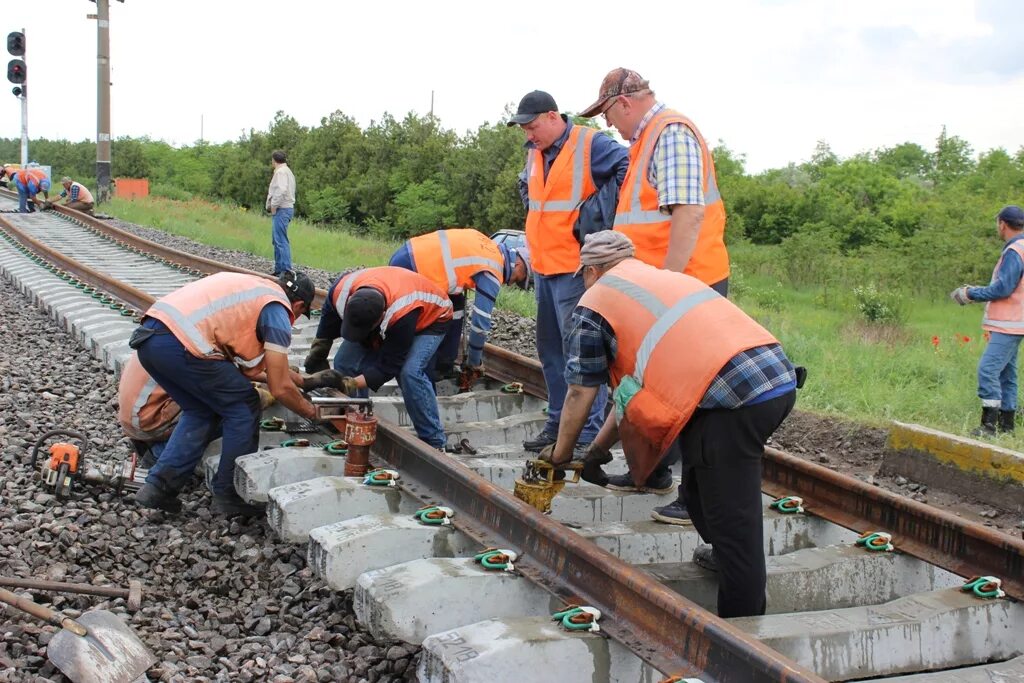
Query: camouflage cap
{"type": "Point", "coordinates": [619, 81]}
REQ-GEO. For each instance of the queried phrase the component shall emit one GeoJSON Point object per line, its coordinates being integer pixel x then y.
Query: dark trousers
{"type": "Point", "coordinates": [721, 453]}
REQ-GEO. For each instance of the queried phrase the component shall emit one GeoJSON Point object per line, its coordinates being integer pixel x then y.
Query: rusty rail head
{"type": "Point", "coordinates": [135, 298]}
{"type": "Point", "coordinates": [508, 366]}
{"type": "Point", "coordinates": [659, 625]}
{"type": "Point", "coordinates": [933, 535]}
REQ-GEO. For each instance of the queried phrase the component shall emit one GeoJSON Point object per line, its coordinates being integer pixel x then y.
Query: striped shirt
{"type": "Point", "coordinates": [749, 377]}
{"type": "Point", "coordinates": [677, 165]}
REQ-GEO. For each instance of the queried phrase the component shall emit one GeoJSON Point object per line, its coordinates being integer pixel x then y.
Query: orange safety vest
{"type": "Point", "coordinates": [404, 292]}
{"type": "Point", "coordinates": [555, 203]}
{"type": "Point", "coordinates": [215, 318]}
{"type": "Point", "coordinates": [27, 175]}
{"type": "Point", "coordinates": [674, 335]}
{"type": "Point", "coordinates": [83, 193]}
{"type": "Point", "coordinates": [144, 409]}
{"type": "Point", "coordinates": [451, 258]}
{"type": "Point", "coordinates": [1007, 315]}
{"type": "Point", "coordinates": [637, 214]}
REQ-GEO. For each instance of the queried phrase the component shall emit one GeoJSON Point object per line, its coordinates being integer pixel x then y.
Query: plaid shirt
{"type": "Point", "coordinates": [677, 165]}
{"type": "Point", "coordinates": [748, 376]}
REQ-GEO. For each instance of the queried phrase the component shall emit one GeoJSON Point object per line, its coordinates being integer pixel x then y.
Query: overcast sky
{"type": "Point", "coordinates": [769, 77]}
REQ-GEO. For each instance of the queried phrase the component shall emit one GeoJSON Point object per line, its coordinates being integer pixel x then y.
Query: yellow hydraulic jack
{"type": "Point", "coordinates": [541, 482]}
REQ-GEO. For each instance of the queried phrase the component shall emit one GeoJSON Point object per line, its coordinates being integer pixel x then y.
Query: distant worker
{"type": "Point", "coordinates": [76, 195]}
{"type": "Point", "coordinates": [1004, 321]}
{"type": "Point", "coordinates": [669, 206]}
{"type": "Point", "coordinates": [391, 321]}
{"type": "Point", "coordinates": [569, 188]}
{"type": "Point", "coordinates": [689, 371]}
{"type": "Point", "coordinates": [6, 175]}
{"type": "Point", "coordinates": [281, 205]}
{"type": "Point", "coordinates": [203, 343]}
{"type": "Point", "coordinates": [30, 182]}
{"type": "Point", "coordinates": [460, 260]}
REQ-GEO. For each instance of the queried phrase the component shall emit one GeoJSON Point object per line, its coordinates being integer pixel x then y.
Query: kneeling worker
{"type": "Point", "coordinates": [146, 413]}
{"type": "Point", "coordinates": [689, 370]}
{"type": "Point", "coordinates": [391, 321]}
{"type": "Point", "coordinates": [460, 260]}
{"type": "Point", "coordinates": [76, 195]}
{"type": "Point", "coordinates": [202, 344]}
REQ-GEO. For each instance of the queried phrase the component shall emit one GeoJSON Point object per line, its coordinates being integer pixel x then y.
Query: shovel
{"type": "Point", "coordinates": [97, 648]}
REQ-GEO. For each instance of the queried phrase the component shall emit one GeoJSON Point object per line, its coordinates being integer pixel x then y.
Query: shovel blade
{"type": "Point", "coordinates": [109, 653]}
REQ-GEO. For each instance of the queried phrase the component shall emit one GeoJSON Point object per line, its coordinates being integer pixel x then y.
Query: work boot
{"type": "Point", "coordinates": [989, 420]}
{"type": "Point", "coordinates": [231, 505]}
{"type": "Point", "coordinates": [537, 445]}
{"type": "Point", "coordinates": [655, 484]}
{"type": "Point", "coordinates": [704, 556]}
{"type": "Point", "coordinates": [673, 513]}
{"type": "Point", "coordinates": [150, 496]}
{"type": "Point", "coordinates": [1006, 418]}
{"type": "Point", "coordinates": [148, 461]}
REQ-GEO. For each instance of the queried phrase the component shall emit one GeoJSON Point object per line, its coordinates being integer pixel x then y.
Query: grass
{"type": "Point", "coordinates": [868, 372]}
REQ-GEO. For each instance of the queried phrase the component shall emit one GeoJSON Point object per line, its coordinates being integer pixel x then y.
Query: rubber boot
{"type": "Point", "coordinates": [1006, 418]}
{"type": "Point", "coordinates": [989, 420]}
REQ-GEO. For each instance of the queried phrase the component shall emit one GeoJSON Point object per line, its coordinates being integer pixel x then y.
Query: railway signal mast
{"type": "Point", "coordinates": [17, 73]}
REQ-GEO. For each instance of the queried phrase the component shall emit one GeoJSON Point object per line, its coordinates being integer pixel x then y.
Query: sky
{"type": "Point", "coordinates": [770, 78]}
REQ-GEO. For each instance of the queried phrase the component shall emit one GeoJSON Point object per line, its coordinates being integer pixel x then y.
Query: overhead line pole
{"type": "Point", "coordinates": [102, 100]}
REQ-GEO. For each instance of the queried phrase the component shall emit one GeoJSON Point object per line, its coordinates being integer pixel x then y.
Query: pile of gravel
{"type": "Point", "coordinates": [224, 600]}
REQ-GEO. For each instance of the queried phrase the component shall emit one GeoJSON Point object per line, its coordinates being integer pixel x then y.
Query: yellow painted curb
{"type": "Point", "coordinates": [969, 455]}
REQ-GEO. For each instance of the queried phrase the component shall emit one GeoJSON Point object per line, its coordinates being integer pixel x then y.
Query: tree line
{"type": "Point", "coordinates": [904, 216]}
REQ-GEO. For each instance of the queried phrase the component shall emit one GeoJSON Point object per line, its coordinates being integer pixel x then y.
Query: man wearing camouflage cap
{"type": "Point", "coordinates": [691, 372]}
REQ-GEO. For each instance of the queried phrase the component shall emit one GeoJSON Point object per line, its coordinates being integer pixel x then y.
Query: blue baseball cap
{"type": "Point", "coordinates": [1012, 214]}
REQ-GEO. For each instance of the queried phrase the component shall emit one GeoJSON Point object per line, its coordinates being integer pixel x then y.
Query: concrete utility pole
{"type": "Point", "coordinates": [102, 100]}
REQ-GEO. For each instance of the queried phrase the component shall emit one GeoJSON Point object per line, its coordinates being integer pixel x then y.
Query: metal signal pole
{"type": "Point", "coordinates": [102, 100]}
{"type": "Point", "coordinates": [24, 119]}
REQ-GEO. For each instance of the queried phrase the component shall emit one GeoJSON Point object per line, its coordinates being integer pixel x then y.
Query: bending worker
{"type": "Point", "coordinates": [391, 321]}
{"type": "Point", "coordinates": [690, 371]}
{"type": "Point", "coordinates": [202, 344]}
{"type": "Point", "coordinates": [569, 188]}
{"type": "Point", "coordinates": [30, 182]}
{"type": "Point", "coordinates": [76, 195]}
{"type": "Point", "coordinates": [457, 261]}
{"type": "Point", "coordinates": [1004, 322]}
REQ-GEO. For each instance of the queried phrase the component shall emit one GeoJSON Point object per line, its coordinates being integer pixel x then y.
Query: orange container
{"type": "Point", "coordinates": [130, 188]}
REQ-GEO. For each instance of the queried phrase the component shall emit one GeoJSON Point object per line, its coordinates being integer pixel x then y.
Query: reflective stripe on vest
{"type": "Point", "coordinates": [366, 277]}
{"type": "Point", "coordinates": [188, 325]}
{"type": "Point", "coordinates": [450, 263]}
{"type": "Point", "coordinates": [147, 390]}
{"type": "Point", "coordinates": [1007, 315]}
{"type": "Point", "coordinates": [578, 171]}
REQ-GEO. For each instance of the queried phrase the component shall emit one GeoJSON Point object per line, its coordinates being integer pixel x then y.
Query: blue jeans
{"type": "Point", "coordinates": [282, 248]}
{"type": "Point", "coordinates": [557, 296]}
{"type": "Point", "coordinates": [23, 200]}
{"type": "Point", "coordinates": [997, 371]}
{"type": "Point", "coordinates": [417, 389]}
{"type": "Point", "coordinates": [211, 394]}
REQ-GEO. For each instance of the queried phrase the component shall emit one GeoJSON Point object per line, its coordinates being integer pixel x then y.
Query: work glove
{"type": "Point", "coordinates": [316, 359]}
{"type": "Point", "coordinates": [266, 398]}
{"type": "Point", "coordinates": [593, 458]}
{"type": "Point", "coordinates": [324, 378]}
{"type": "Point", "coordinates": [959, 295]}
{"type": "Point", "coordinates": [349, 386]}
{"type": "Point", "coordinates": [469, 376]}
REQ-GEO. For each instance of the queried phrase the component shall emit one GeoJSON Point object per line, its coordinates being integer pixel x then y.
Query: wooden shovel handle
{"type": "Point", "coordinates": [40, 612]}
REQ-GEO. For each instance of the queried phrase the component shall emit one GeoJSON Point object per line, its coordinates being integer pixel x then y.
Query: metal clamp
{"type": "Point", "coordinates": [333, 407]}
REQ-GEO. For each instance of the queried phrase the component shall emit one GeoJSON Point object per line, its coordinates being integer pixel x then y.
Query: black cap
{"type": "Point", "coordinates": [298, 287]}
{"type": "Point", "coordinates": [363, 312]}
{"type": "Point", "coordinates": [531, 106]}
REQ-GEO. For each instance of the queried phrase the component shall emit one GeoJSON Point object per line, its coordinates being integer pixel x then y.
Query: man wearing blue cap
{"type": "Point", "coordinates": [1004, 321]}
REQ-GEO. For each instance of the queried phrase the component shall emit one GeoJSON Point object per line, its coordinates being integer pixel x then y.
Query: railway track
{"type": "Point", "coordinates": [836, 610]}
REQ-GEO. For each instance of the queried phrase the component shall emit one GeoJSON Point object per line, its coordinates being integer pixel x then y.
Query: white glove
{"type": "Point", "coordinates": [959, 295]}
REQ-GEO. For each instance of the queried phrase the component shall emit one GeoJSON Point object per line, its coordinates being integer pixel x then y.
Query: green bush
{"type": "Point", "coordinates": [170, 192]}
{"type": "Point", "coordinates": [880, 307]}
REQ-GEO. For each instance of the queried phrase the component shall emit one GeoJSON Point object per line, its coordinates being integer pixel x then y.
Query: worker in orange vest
{"type": "Point", "coordinates": [203, 344]}
{"type": "Point", "coordinates": [569, 188]}
{"type": "Point", "coordinates": [669, 205]}
{"type": "Point", "coordinates": [1004, 323]}
{"type": "Point", "coordinates": [460, 260]}
{"type": "Point", "coordinates": [29, 183]}
{"type": "Point", "coordinates": [391, 321]}
{"type": "Point", "coordinates": [689, 371]}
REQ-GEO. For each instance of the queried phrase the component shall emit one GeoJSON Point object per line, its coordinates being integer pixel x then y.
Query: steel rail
{"type": "Point", "coordinates": [935, 536]}
{"type": "Point", "coordinates": [135, 298]}
{"type": "Point", "coordinates": [191, 261]}
{"type": "Point", "coordinates": [659, 625]}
